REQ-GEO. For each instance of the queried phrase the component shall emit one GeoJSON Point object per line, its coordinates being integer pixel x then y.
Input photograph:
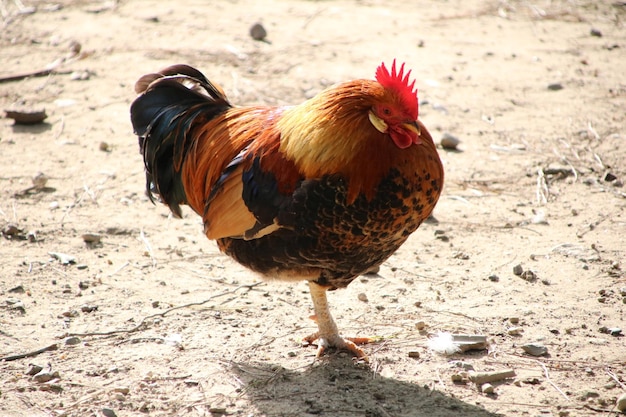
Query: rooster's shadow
{"type": "Point", "coordinates": [335, 386]}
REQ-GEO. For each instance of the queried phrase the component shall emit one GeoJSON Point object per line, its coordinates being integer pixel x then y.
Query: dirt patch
{"type": "Point", "coordinates": [143, 316]}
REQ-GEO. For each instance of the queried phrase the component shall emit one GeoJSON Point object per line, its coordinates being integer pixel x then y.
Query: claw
{"type": "Point", "coordinates": [348, 344]}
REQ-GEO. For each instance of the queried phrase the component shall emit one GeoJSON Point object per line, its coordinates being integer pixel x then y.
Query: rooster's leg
{"type": "Point", "coordinates": [328, 334]}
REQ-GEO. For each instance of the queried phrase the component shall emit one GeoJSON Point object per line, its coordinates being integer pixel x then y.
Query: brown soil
{"type": "Point", "coordinates": [537, 181]}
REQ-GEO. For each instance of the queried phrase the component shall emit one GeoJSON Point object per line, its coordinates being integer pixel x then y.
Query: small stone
{"type": "Point", "coordinates": [514, 320]}
{"type": "Point", "coordinates": [64, 258]}
{"type": "Point", "coordinates": [72, 341]}
{"type": "Point", "coordinates": [18, 290]}
{"type": "Point", "coordinates": [532, 380]}
{"type": "Point", "coordinates": [494, 278]}
{"type": "Point", "coordinates": [414, 354]}
{"type": "Point", "coordinates": [122, 390]}
{"type": "Point", "coordinates": [91, 238]}
{"type": "Point", "coordinates": [26, 116]}
{"type": "Point", "coordinates": [529, 276]}
{"type": "Point", "coordinates": [459, 378]}
{"type": "Point", "coordinates": [16, 304]}
{"type": "Point", "coordinates": [51, 387]}
{"type": "Point", "coordinates": [362, 297]}
{"type": "Point", "coordinates": [86, 308]}
{"type": "Point", "coordinates": [585, 395]}
{"type": "Point", "coordinates": [555, 86]}
{"type": "Point", "coordinates": [460, 364]}
{"type": "Point", "coordinates": [535, 349]}
{"type": "Point", "coordinates": [34, 369]}
{"type": "Point", "coordinates": [291, 354]}
{"type": "Point", "coordinates": [420, 325]}
{"type": "Point", "coordinates": [487, 388]}
{"type": "Point", "coordinates": [518, 270]}
{"type": "Point", "coordinates": [107, 412]}
{"type": "Point", "coordinates": [45, 376]}
{"type": "Point", "coordinates": [449, 142]}
{"type": "Point", "coordinates": [104, 147]}
{"type": "Point", "coordinates": [595, 32]}
{"type": "Point", "coordinates": [258, 32]}
{"type": "Point", "coordinates": [614, 331]}
{"type": "Point", "coordinates": [621, 403]}
{"type": "Point", "coordinates": [515, 331]}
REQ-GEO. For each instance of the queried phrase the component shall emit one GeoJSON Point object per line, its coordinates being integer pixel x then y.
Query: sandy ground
{"type": "Point", "coordinates": [152, 320]}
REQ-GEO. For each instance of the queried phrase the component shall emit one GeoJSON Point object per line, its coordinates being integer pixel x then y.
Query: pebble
{"type": "Point", "coordinates": [459, 377]}
{"type": "Point", "coordinates": [518, 270]}
{"type": "Point", "coordinates": [613, 331]}
{"type": "Point", "coordinates": [535, 349]}
{"type": "Point", "coordinates": [258, 32]}
{"type": "Point", "coordinates": [529, 276]}
{"type": "Point", "coordinates": [92, 238]}
{"type": "Point", "coordinates": [64, 258]}
{"type": "Point", "coordinates": [514, 320]}
{"type": "Point", "coordinates": [40, 180]}
{"type": "Point", "coordinates": [487, 388]}
{"type": "Point", "coordinates": [362, 297]}
{"type": "Point", "coordinates": [107, 412]}
{"type": "Point", "coordinates": [494, 278]}
{"type": "Point", "coordinates": [16, 304]}
{"type": "Point", "coordinates": [414, 354]}
{"type": "Point", "coordinates": [460, 364]}
{"type": "Point", "coordinates": [555, 86]}
{"type": "Point", "coordinates": [72, 341]}
{"type": "Point", "coordinates": [621, 403]}
{"type": "Point", "coordinates": [26, 116]}
{"type": "Point", "coordinates": [86, 308]}
{"type": "Point", "coordinates": [420, 325]}
{"type": "Point", "coordinates": [449, 142]}
{"type": "Point", "coordinates": [45, 376]}
{"type": "Point", "coordinates": [595, 32]}
{"type": "Point", "coordinates": [515, 331]}
{"type": "Point", "coordinates": [34, 369]}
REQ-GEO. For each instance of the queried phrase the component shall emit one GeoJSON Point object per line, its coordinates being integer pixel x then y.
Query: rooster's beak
{"type": "Point", "coordinates": [413, 127]}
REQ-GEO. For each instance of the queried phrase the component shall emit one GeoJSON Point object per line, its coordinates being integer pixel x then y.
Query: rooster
{"type": "Point", "coordinates": [323, 191]}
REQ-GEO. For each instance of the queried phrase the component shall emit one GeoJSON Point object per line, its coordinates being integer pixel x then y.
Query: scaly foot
{"type": "Point", "coordinates": [335, 341]}
{"type": "Point", "coordinates": [328, 334]}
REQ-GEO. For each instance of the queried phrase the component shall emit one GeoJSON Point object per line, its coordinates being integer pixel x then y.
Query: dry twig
{"type": "Point", "coordinates": [163, 313]}
{"type": "Point", "coordinates": [547, 375]}
{"type": "Point", "coordinates": [53, 346]}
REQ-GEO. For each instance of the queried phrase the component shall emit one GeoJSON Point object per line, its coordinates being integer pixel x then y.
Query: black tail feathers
{"type": "Point", "coordinates": [164, 116]}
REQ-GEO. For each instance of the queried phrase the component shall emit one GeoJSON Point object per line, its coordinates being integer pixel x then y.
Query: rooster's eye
{"type": "Point", "coordinates": [386, 111]}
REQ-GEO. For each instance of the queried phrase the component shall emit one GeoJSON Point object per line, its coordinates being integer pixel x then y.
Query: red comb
{"type": "Point", "coordinates": [398, 82]}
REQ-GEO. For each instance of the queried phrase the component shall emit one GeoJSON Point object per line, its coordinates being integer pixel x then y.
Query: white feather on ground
{"type": "Point", "coordinates": [443, 343]}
